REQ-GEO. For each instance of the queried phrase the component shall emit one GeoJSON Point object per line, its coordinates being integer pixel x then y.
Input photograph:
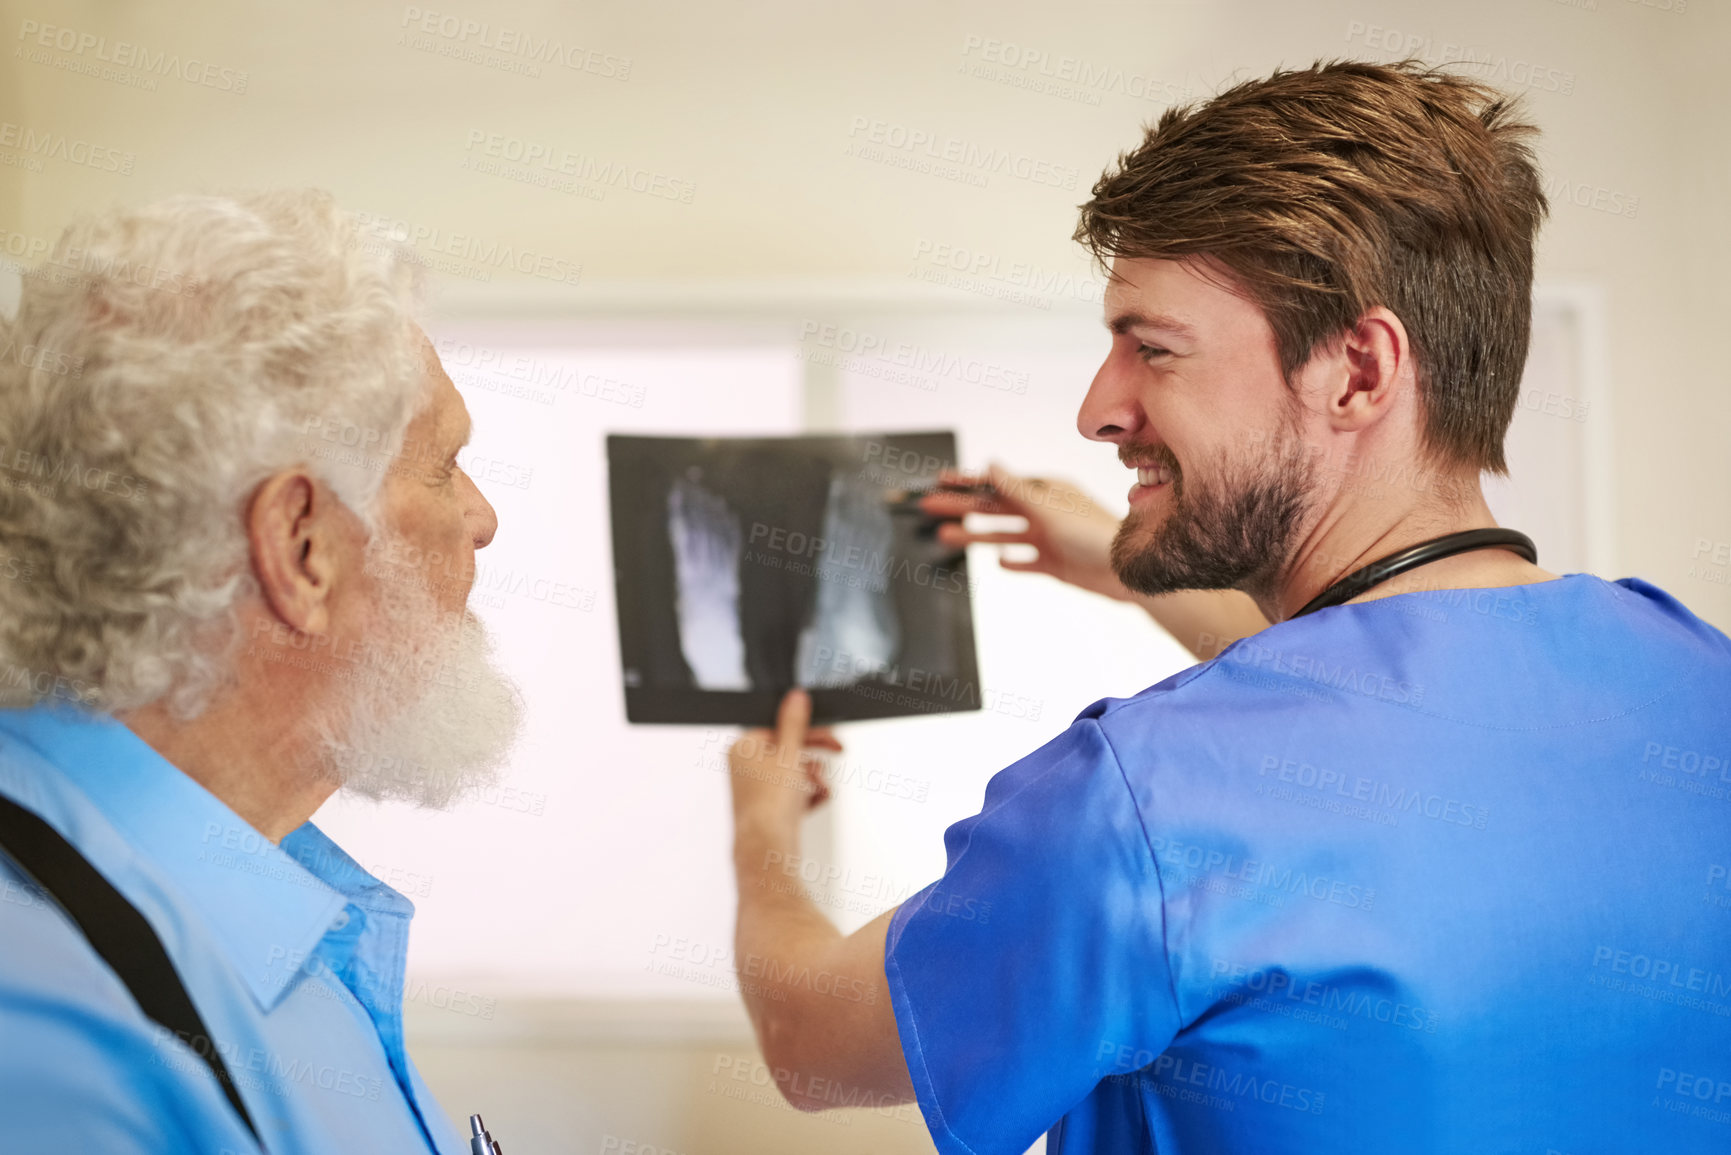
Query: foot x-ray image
{"type": "Point", "coordinates": [746, 566]}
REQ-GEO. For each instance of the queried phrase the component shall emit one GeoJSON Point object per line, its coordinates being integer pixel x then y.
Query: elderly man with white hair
{"type": "Point", "coordinates": [239, 548]}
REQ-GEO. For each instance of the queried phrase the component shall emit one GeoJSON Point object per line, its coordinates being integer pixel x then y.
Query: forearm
{"type": "Point", "coordinates": [777, 921]}
{"type": "Point", "coordinates": [818, 999]}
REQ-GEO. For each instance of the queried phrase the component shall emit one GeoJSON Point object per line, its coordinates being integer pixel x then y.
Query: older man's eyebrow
{"type": "Point", "coordinates": [1124, 322]}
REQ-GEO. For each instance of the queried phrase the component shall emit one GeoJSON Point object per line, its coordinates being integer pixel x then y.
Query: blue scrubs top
{"type": "Point", "coordinates": [1440, 872]}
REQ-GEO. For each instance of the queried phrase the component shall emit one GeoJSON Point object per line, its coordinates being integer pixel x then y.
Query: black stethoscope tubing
{"type": "Point", "coordinates": [1423, 553]}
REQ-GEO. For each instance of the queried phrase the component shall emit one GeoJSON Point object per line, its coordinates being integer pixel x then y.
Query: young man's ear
{"type": "Point", "coordinates": [299, 535]}
{"type": "Point", "coordinates": [1375, 365]}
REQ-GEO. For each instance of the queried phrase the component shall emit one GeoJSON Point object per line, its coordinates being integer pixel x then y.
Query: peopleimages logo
{"type": "Point", "coordinates": [1481, 64]}
{"type": "Point", "coordinates": [427, 30]}
{"type": "Point", "coordinates": [42, 144]}
{"type": "Point", "coordinates": [1061, 75]}
{"type": "Point", "coordinates": [1174, 1076]}
{"type": "Point", "coordinates": [486, 254]}
{"type": "Point", "coordinates": [990, 275]}
{"type": "Point", "coordinates": [861, 347]}
{"type": "Point", "coordinates": [565, 170]}
{"type": "Point", "coordinates": [1304, 670]}
{"type": "Point", "coordinates": [875, 139]}
{"type": "Point", "coordinates": [1357, 788]}
{"type": "Point", "coordinates": [1273, 880]}
{"type": "Point", "coordinates": [847, 564]}
{"type": "Point", "coordinates": [1271, 983]}
{"type": "Point", "coordinates": [1670, 972]}
{"type": "Point", "coordinates": [121, 61]}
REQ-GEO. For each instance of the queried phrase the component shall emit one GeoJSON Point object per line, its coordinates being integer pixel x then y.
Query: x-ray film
{"type": "Point", "coordinates": [746, 566]}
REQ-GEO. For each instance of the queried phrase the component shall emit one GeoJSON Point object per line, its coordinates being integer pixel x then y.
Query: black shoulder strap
{"type": "Point", "coordinates": [118, 932]}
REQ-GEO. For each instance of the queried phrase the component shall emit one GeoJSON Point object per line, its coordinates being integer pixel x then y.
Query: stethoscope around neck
{"type": "Point", "coordinates": [1412, 557]}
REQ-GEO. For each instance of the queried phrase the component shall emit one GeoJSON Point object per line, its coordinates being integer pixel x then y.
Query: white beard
{"type": "Point", "coordinates": [426, 716]}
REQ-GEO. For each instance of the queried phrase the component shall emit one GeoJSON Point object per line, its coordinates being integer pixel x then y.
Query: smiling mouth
{"type": "Point", "coordinates": [1156, 472]}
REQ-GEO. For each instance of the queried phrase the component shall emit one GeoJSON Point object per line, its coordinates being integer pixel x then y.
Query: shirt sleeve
{"type": "Point", "coordinates": [1025, 975]}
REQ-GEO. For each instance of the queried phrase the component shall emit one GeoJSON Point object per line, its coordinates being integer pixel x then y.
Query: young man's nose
{"type": "Point", "coordinates": [1111, 410]}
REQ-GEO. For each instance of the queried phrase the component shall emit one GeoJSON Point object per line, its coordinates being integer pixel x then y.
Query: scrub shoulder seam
{"type": "Point", "coordinates": [1147, 845]}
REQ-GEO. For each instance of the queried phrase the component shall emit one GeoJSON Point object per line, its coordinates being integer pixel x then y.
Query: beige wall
{"type": "Point", "coordinates": [750, 106]}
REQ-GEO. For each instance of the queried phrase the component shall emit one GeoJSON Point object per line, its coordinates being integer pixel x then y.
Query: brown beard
{"type": "Point", "coordinates": [1235, 536]}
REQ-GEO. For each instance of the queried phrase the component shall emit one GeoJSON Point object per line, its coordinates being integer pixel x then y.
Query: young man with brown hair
{"type": "Point", "coordinates": [1419, 867]}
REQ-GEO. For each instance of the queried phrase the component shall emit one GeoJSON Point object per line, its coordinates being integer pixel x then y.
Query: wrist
{"type": "Point", "coordinates": [758, 834]}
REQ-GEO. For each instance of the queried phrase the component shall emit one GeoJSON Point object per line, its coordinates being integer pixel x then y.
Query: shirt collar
{"type": "Point", "coordinates": [267, 905]}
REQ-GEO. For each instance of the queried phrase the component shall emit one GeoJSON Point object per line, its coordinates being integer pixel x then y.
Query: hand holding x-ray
{"type": "Point", "coordinates": [1070, 532]}
{"type": "Point", "coordinates": [1072, 537]}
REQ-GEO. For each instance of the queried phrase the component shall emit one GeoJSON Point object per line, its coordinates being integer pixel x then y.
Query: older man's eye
{"type": "Point", "coordinates": [1149, 352]}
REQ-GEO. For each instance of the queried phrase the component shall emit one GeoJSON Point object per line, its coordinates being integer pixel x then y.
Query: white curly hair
{"type": "Point", "coordinates": [180, 354]}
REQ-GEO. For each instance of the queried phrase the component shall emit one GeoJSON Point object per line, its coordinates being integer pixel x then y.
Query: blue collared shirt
{"type": "Point", "coordinates": [292, 953]}
{"type": "Point", "coordinates": [1441, 872]}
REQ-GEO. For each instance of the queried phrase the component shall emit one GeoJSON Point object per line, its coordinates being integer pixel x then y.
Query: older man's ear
{"type": "Point", "coordinates": [303, 541]}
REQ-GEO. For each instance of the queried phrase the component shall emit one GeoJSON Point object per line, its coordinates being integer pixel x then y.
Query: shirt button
{"type": "Point", "coordinates": [341, 920]}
